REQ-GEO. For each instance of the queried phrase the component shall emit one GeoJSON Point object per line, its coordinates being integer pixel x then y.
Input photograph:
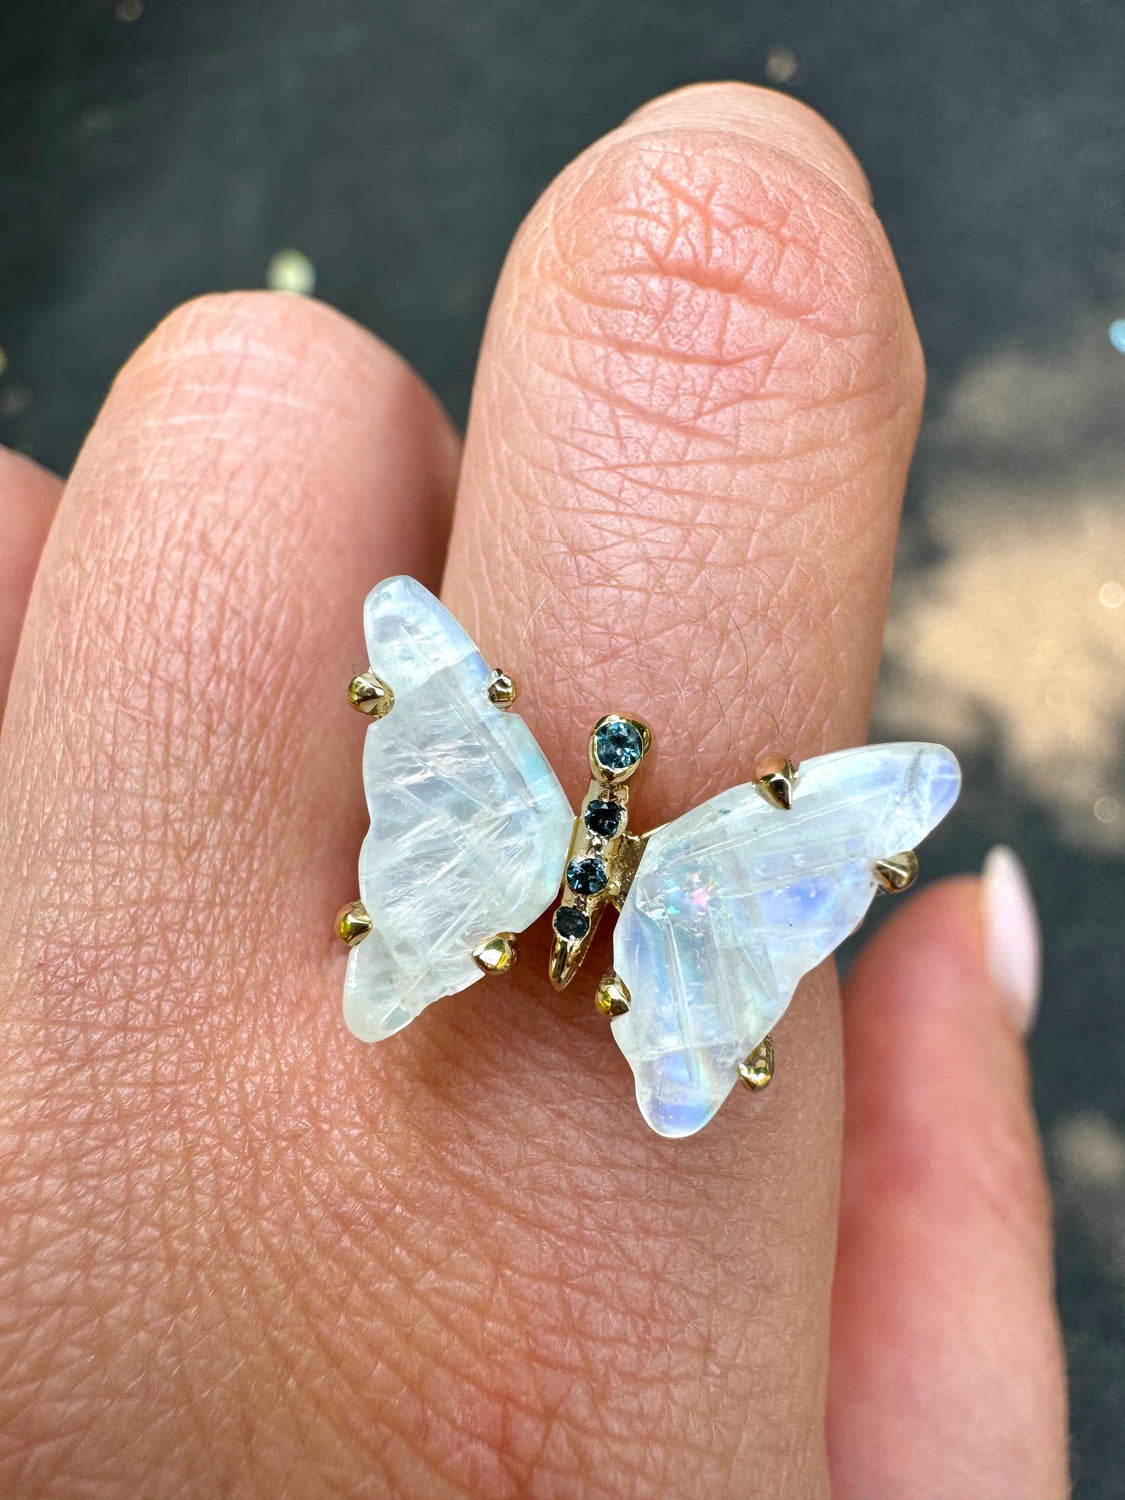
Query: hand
{"type": "Point", "coordinates": [246, 1255]}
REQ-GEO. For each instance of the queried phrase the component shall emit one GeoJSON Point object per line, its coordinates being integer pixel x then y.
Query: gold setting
{"type": "Point", "coordinates": [755, 1071]}
{"type": "Point", "coordinates": [370, 695]}
{"type": "Point", "coordinates": [897, 873]}
{"type": "Point", "coordinates": [612, 995]}
{"type": "Point", "coordinates": [353, 923]}
{"type": "Point", "coordinates": [618, 853]}
{"type": "Point", "coordinates": [775, 777]}
{"type": "Point", "coordinates": [502, 690]}
{"type": "Point", "coordinates": [629, 852]}
{"type": "Point", "coordinates": [497, 954]}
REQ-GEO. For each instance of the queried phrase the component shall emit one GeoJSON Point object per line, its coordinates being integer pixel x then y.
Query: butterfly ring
{"type": "Point", "coordinates": [720, 912]}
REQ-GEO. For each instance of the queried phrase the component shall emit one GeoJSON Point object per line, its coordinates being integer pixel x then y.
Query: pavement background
{"type": "Point", "coordinates": [152, 152]}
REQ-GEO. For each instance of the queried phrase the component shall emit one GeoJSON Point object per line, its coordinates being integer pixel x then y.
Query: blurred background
{"type": "Point", "coordinates": [385, 153]}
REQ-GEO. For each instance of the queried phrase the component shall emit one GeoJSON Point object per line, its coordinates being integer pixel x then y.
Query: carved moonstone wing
{"type": "Point", "coordinates": [469, 825]}
{"type": "Point", "coordinates": [735, 901]}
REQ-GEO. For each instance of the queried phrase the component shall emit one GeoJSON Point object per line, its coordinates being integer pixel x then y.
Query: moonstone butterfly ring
{"type": "Point", "coordinates": [721, 912]}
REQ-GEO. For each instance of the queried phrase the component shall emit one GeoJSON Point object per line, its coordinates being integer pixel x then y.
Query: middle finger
{"type": "Point", "coordinates": [695, 407]}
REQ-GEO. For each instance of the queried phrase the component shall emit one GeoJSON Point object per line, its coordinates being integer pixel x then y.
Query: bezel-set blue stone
{"type": "Point", "coordinates": [603, 818]}
{"type": "Point", "coordinates": [586, 875]}
{"type": "Point", "coordinates": [571, 922]}
{"type": "Point", "coordinates": [618, 745]}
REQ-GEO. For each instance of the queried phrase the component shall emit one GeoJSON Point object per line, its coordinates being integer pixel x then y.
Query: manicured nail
{"type": "Point", "coordinates": [1011, 935]}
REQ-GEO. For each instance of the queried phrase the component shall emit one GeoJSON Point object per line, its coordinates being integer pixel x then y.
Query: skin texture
{"type": "Point", "coordinates": [941, 1227]}
{"type": "Point", "coordinates": [244, 1255]}
{"type": "Point", "coordinates": [28, 497]}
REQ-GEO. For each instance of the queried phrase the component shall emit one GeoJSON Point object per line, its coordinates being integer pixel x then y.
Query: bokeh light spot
{"type": "Point", "coordinates": [782, 66]}
{"type": "Point", "coordinates": [291, 271]}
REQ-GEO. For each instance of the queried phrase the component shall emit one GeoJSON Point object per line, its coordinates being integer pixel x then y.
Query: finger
{"type": "Point", "coordinates": [947, 1372]}
{"type": "Point", "coordinates": [176, 826]}
{"type": "Point", "coordinates": [257, 461]}
{"type": "Point", "coordinates": [694, 410]}
{"type": "Point", "coordinates": [28, 496]}
{"type": "Point", "coordinates": [696, 404]}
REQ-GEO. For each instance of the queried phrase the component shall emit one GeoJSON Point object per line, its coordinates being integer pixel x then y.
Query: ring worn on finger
{"type": "Point", "coordinates": [722, 911]}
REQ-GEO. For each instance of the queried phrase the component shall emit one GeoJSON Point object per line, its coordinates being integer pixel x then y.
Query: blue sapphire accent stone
{"type": "Point", "coordinates": [603, 818]}
{"type": "Point", "coordinates": [618, 745]}
{"type": "Point", "coordinates": [570, 922]}
{"type": "Point", "coordinates": [586, 875]}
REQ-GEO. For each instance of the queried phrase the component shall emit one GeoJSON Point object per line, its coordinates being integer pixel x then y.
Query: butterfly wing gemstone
{"type": "Point", "coordinates": [469, 825]}
{"type": "Point", "coordinates": [734, 902]}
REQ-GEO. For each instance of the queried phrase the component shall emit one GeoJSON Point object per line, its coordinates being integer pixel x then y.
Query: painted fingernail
{"type": "Point", "coordinates": [1011, 935]}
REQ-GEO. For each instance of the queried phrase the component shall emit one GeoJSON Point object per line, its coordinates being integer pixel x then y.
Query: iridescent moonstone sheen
{"type": "Point", "coordinates": [736, 900]}
{"type": "Point", "coordinates": [469, 825]}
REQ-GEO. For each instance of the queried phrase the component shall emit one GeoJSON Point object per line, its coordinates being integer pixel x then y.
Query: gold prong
{"type": "Point", "coordinates": [756, 1070]}
{"type": "Point", "coordinates": [497, 954]}
{"type": "Point", "coordinates": [501, 689]}
{"type": "Point", "coordinates": [353, 923]}
{"type": "Point", "coordinates": [612, 995]}
{"type": "Point", "coordinates": [774, 776]}
{"type": "Point", "coordinates": [370, 695]}
{"type": "Point", "coordinates": [898, 872]}
{"type": "Point", "coordinates": [559, 970]}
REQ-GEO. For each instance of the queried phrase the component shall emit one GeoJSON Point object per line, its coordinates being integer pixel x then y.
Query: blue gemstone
{"type": "Point", "coordinates": [603, 818]}
{"type": "Point", "coordinates": [570, 922]}
{"type": "Point", "coordinates": [586, 875]}
{"type": "Point", "coordinates": [618, 745]}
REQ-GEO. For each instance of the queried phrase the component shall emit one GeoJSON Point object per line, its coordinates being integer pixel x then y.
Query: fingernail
{"type": "Point", "coordinates": [1011, 935]}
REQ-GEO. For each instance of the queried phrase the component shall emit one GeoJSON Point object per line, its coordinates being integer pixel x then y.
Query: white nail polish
{"type": "Point", "coordinates": [1011, 935]}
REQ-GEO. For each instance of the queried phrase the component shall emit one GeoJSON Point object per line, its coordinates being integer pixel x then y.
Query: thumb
{"type": "Point", "coordinates": [947, 1375]}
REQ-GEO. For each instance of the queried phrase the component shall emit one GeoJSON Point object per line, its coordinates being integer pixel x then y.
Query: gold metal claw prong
{"type": "Point", "coordinates": [612, 995]}
{"type": "Point", "coordinates": [501, 689]}
{"type": "Point", "coordinates": [775, 776]}
{"type": "Point", "coordinates": [756, 1070]}
{"type": "Point", "coordinates": [370, 695]}
{"type": "Point", "coordinates": [497, 954]}
{"type": "Point", "coordinates": [563, 964]}
{"type": "Point", "coordinates": [353, 923]}
{"type": "Point", "coordinates": [897, 873]}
